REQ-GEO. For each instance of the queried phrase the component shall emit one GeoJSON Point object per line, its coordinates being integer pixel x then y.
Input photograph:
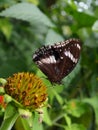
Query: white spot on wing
{"type": "Point", "coordinates": [39, 62]}
{"type": "Point", "coordinates": [52, 59]}
{"type": "Point", "coordinates": [68, 54]}
{"type": "Point", "coordinates": [48, 60]}
{"type": "Point", "coordinates": [45, 60]}
{"type": "Point", "coordinates": [34, 56]}
{"type": "Point", "coordinates": [78, 46]}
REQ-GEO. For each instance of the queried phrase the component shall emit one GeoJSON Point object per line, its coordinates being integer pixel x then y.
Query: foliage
{"type": "Point", "coordinates": [27, 25]}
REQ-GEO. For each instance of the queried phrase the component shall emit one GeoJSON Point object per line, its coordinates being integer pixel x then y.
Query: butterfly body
{"type": "Point", "coordinates": [58, 60]}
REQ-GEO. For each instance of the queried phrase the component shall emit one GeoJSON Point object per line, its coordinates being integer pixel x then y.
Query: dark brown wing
{"type": "Point", "coordinates": [69, 57]}
{"type": "Point", "coordinates": [58, 60]}
{"type": "Point", "coordinates": [46, 61]}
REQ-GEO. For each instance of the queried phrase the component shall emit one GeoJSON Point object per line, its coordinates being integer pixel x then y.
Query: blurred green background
{"type": "Point", "coordinates": [26, 25]}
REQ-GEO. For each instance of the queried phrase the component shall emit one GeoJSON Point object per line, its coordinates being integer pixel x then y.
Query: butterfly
{"type": "Point", "coordinates": [58, 60]}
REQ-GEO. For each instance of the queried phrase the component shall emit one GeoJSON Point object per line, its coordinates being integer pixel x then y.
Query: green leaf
{"type": "Point", "coordinates": [82, 19]}
{"type": "Point", "coordinates": [53, 37]}
{"type": "Point", "coordinates": [6, 3]}
{"type": "Point", "coordinates": [36, 2]}
{"type": "Point", "coordinates": [7, 98]}
{"type": "Point", "coordinates": [11, 115]}
{"type": "Point", "coordinates": [68, 119]}
{"type": "Point", "coordinates": [46, 117]}
{"type": "Point", "coordinates": [10, 111]}
{"type": "Point", "coordinates": [95, 26]}
{"type": "Point", "coordinates": [58, 97]}
{"type": "Point", "coordinates": [91, 42]}
{"type": "Point", "coordinates": [36, 124]}
{"type": "Point", "coordinates": [6, 28]}
{"type": "Point", "coordinates": [2, 91]}
{"type": "Point", "coordinates": [24, 123]}
{"type": "Point", "coordinates": [80, 112]}
{"type": "Point", "coordinates": [3, 81]}
{"type": "Point", "coordinates": [75, 108]}
{"type": "Point", "coordinates": [27, 12]}
{"type": "Point", "coordinates": [12, 65]}
{"type": "Point", "coordinates": [76, 127]}
{"type": "Point", "coordinates": [94, 84]}
{"type": "Point", "coordinates": [94, 102]}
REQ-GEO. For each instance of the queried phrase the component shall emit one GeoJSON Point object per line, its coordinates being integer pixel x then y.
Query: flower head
{"type": "Point", "coordinates": [27, 89]}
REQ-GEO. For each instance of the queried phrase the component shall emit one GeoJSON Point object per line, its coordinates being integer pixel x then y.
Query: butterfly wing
{"type": "Point", "coordinates": [58, 60]}
{"type": "Point", "coordinates": [46, 61]}
{"type": "Point", "coordinates": [69, 56]}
